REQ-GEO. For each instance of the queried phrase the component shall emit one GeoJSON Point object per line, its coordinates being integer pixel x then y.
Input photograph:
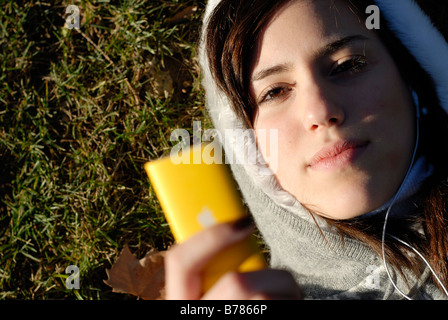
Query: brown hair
{"type": "Point", "coordinates": [231, 39]}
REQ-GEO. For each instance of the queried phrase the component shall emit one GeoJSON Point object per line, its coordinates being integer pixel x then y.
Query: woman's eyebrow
{"type": "Point", "coordinates": [279, 68]}
{"type": "Point", "coordinates": [326, 50]}
{"type": "Point", "coordinates": [339, 44]}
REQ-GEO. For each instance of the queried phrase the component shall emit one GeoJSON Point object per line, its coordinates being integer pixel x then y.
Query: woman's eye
{"type": "Point", "coordinates": [274, 93]}
{"type": "Point", "coordinates": [352, 66]}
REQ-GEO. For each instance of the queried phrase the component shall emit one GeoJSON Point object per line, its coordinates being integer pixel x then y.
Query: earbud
{"type": "Point", "coordinates": [417, 103]}
{"type": "Point", "coordinates": [420, 110]}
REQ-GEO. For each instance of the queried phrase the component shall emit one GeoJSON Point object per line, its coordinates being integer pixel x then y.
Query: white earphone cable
{"type": "Point", "coordinates": [383, 237]}
{"type": "Point", "coordinates": [426, 262]}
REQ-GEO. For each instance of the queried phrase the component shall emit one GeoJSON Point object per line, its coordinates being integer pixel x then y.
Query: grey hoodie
{"type": "Point", "coordinates": [324, 267]}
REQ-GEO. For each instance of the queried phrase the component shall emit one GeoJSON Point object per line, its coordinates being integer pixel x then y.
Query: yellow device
{"type": "Point", "coordinates": [196, 195]}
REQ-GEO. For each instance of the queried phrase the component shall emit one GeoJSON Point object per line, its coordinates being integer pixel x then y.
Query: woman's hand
{"type": "Point", "coordinates": [185, 262]}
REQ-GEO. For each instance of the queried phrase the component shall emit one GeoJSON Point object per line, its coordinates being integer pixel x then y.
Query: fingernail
{"type": "Point", "coordinates": [242, 224]}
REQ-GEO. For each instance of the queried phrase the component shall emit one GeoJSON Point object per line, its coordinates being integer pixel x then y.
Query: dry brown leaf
{"type": "Point", "coordinates": [161, 82]}
{"type": "Point", "coordinates": [144, 278]}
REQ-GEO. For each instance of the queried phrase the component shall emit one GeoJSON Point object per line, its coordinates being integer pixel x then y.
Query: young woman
{"type": "Point", "coordinates": [356, 205]}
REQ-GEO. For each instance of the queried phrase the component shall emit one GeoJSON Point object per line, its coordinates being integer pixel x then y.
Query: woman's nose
{"type": "Point", "coordinates": [321, 110]}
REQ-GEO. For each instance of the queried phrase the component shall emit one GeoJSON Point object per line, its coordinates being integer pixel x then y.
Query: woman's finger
{"type": "Point", "coordinates": [185, 262]}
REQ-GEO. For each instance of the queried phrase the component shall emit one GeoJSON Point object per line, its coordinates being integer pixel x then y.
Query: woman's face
{"type": "Point", "coordinates": [344, 116]}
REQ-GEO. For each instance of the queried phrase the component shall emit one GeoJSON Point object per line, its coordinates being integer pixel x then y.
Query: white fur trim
{"type": "Point", "coordinates": [416, 31]}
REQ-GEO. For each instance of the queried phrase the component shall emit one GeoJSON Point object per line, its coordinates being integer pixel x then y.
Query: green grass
{"type": "Point", "coordinates": [80, 113]}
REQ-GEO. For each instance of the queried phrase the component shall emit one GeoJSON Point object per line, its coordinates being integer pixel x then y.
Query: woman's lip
{"type": "Point", "coordinates": [337, 155]}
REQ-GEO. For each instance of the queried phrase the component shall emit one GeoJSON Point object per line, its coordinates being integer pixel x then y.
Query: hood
{"type": "Point", "coordinates": [409, 23]}
{"type": "Point", "coordinates": [289, 230]}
